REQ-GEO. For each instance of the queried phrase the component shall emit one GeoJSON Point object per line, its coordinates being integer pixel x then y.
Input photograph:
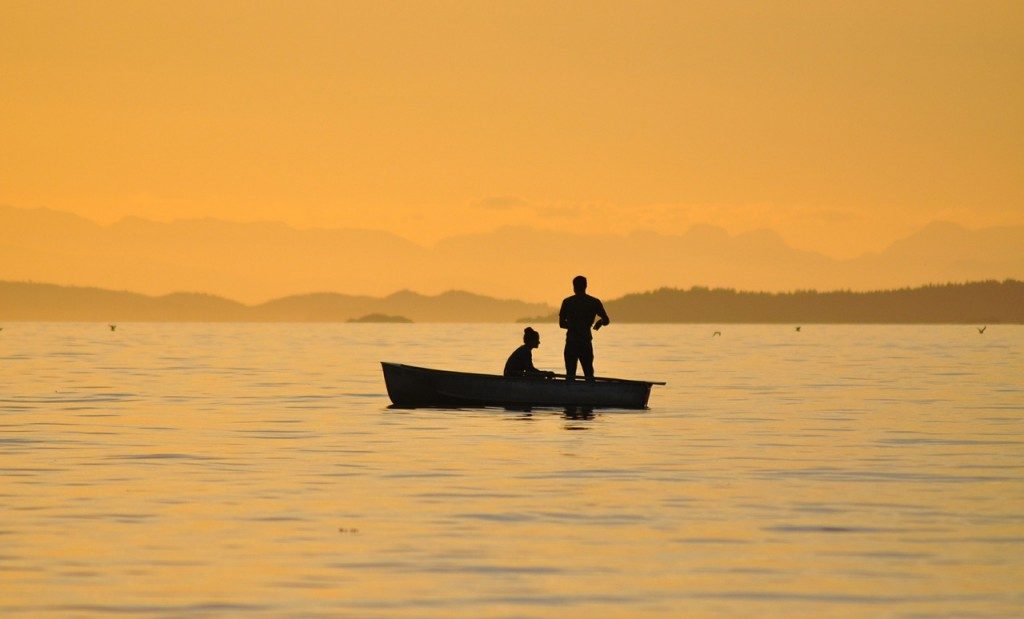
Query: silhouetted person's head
{"type": "Point", "coordinates": [579, 284]}
{"type": "Point", "coordinates": [531, 338]}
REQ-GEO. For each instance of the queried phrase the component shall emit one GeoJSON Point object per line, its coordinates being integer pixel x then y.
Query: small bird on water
{"type": "Point", "coordinates": [113, 327]}
{"type": "Point", "coordinates": [716, 333]}
{"type": "Point", "coordinates": [982, 329]}
{"type": "Point", "coordinates": [797, 328]}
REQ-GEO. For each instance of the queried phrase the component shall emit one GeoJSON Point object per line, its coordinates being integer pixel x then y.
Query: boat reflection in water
{"type": "Point", "coordinates": [570, 413]}
{"type": "Point", "coordinates": [415, 387]}
{"type": "Point", "coordinates": [578, 413]}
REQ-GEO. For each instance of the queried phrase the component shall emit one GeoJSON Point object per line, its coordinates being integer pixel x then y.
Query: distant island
{"type": "Point", "coordinates": [380, 318]}
{"type": "Point", "coordinates": [986, 302]}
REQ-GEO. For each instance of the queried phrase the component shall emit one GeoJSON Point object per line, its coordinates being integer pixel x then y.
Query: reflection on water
{"type": "Point", "coordinates": [211, 470]}
{"type": "Point", "coordinates": [575, 413]}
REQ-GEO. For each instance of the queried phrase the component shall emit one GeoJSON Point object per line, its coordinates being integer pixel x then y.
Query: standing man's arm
{"type": "Point", "coordinates": [563, 318]}
{"type": "Point", "coordinates": [605, 321]}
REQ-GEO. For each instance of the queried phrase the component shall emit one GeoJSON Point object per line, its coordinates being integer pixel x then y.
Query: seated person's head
{"type": "Point", "coordinates": [531, 337]}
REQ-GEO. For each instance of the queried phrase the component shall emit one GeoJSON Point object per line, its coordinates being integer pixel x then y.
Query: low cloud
{"type": "Point", "coordinates": [832, 216]}
{"type": "Point", "coordinates": [559, 212]}
{"type": "Point", "coordinates": [547, 211]}
{"type": "Point", "coordinates": [500, 203]}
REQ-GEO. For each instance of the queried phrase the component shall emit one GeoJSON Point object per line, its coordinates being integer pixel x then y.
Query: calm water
{"type": "Point", "coordinates": [176, 470]}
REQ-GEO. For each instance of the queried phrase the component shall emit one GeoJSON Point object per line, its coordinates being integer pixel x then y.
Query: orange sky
{"type": "Point", "coordinates": [841, 125]}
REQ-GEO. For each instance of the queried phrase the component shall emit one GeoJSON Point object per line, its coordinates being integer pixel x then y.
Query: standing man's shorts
{"type": "Point", "coordinates": [582, 352]}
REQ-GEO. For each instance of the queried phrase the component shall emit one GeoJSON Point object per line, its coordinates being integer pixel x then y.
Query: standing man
{"type": "Point", "coordinates": [576, 317]}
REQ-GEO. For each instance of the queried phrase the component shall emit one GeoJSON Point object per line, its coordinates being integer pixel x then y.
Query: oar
{"type": "Point", "coordinates": [617, 380]}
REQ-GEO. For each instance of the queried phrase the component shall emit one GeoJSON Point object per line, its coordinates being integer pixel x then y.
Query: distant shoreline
{"type": "Point", "coordinates": [986, 302]}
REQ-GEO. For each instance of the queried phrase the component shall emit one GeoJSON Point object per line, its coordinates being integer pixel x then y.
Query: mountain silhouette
{"type": "Point", "coordinates": [49, 302]}
{"type": "Point", "coordinates": [988, 302]}
{"type": "Point", "coordinates": [256, 261]}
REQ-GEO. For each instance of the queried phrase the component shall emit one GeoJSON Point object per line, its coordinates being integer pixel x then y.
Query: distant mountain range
{"type": "Point", "coordinates": [48, 302]}
{"type": "Point", "coordinates": [986, 302]}
{"type": "Point", "coordinates": [256, 261]}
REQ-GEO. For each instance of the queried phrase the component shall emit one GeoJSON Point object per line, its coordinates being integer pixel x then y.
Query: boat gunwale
{"type": "Point", "coordinates": [601, 379]}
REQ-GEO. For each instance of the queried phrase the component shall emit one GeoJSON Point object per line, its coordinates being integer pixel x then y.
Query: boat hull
{"type": "Point", "coordinates": [414, 387]}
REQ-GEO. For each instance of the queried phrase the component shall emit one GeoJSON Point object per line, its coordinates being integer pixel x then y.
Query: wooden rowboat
{"type": "Point", "coordinates": [413, 387]}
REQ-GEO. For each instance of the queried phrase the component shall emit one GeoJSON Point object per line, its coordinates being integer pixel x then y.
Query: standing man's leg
{"type": "Point", "coordinates": [571, 356]}
{"type": "Point", "coordinates": [586, 354]}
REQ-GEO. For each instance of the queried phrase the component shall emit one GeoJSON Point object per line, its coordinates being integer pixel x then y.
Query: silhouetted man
{"type": "Point", "coordinates": [577, 317]}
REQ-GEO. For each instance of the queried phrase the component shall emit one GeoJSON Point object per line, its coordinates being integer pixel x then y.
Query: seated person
{"type": "Point", "coordinates": [520, 362]}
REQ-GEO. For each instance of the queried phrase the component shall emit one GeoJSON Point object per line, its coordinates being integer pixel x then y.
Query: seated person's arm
{"type": "Point", "coordinates": [532, 371]}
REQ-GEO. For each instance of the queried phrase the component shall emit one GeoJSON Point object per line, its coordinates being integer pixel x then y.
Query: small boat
{"type": "Point", "coordinates": [413, 387]}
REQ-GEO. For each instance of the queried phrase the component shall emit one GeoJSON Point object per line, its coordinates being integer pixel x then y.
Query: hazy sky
{"type": "Point", "coordinates": [843, 125]}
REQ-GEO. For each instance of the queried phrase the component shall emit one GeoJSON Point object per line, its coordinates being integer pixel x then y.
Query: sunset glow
{"type": "Point", "coordinates": [842, 127]}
